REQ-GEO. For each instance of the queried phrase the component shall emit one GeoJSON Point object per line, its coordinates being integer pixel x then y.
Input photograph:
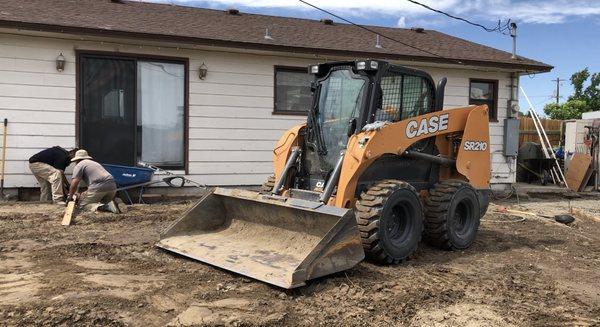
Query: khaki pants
{"type": "Point", "coordinates": [91, 199]}
{"type": "Point", "coordinates": [49, 179]}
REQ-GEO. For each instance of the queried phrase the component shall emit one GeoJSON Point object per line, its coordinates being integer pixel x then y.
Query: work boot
{"type": "Point", "coordinates": [121, 205]}
{"type": "Point", "coordinates": [116, 206]}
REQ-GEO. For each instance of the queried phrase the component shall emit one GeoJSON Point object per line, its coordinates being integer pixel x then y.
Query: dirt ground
{"type": "Point", "coordinates": [104, 270]}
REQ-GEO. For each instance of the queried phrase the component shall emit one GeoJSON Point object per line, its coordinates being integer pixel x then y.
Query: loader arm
{"type": "Point", "coordinates": [283, 148]}
{"type": "Point", "coordinates": [472, 160]}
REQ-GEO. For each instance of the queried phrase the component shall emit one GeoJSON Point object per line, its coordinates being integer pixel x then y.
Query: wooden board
{"type": "Point", "coordinates": [68, 213]}
{"type": "Point", "coordinates": [577, 174]}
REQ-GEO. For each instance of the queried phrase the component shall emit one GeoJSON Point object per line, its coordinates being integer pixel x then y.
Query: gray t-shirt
{"type": "Point", "coordinates": [94, 175]}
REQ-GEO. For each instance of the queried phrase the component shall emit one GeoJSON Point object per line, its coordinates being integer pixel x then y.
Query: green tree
{"type": "Point", "coordinates": [572, 109]}
{"type": "Point", "coordinates": [584, 98]}
{"type": "Point", "coordinates": [592, 92]}
{"type": "Point", "coordinates": [577, 81]}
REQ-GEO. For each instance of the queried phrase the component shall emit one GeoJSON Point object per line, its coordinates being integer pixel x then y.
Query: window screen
{"type": "Point", "coordinates": [403, 96]}
{"type": "Point", "coordinates": [292, 90]}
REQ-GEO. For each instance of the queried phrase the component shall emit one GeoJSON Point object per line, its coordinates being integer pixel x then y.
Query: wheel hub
{"type": "Point", "coordinates": [399, 226]}
{"type": "Point", "coordinates": [461, 218]}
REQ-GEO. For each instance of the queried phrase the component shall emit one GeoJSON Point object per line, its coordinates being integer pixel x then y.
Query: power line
{"type": "Point", "coordinates": [501, 28]}
{"type": "Point", "coordinates": [378, 33]}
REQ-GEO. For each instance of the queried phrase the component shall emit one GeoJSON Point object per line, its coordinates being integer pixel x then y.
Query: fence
{"type": "Point", "coordinates": [527, 132]}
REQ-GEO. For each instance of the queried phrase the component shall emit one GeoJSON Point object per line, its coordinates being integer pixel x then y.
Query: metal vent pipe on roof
{"type": "Point", "coordinates": [513, 34]}
{"type": "Point", "coordinates": [268, 34]}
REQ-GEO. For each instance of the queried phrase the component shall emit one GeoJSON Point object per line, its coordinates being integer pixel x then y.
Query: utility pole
{"type": "Point", "coordinates": [558, 80]}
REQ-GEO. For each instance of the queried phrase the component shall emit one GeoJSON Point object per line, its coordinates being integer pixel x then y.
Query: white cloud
{"type": "Point", "coordinates": [485, 11]}
{"type": "Point", "coordinates": [401, 22]}
{"type": "Point", "coordinates": [545, 12]}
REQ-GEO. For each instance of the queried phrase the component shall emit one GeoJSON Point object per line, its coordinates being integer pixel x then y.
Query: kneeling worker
{"type": "Point", "coordinates": [101, 186]}
{"type": "Point", "coordinates": [48, 167]}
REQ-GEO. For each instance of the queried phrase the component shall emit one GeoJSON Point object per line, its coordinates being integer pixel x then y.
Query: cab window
{"type": "Point", "coordinates": [404, 96]}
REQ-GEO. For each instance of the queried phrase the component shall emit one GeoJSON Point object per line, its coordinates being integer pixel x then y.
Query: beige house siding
{"type": "Point", "coordinates": [231, 126]}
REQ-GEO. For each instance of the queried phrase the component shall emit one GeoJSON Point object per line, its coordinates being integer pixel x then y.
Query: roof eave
{"type": "Point", "coordinates": [522, 67]}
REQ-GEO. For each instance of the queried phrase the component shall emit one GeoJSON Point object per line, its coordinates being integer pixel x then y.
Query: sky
{"type": "Point", "coordinates": [562, 33]}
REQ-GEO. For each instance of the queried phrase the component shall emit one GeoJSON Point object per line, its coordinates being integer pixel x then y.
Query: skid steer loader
{"type": "Point", "coordinates": [377, 165]}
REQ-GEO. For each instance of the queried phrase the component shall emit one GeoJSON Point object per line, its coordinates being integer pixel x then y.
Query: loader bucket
{"type": "Point", "coordinates": [278, 240]}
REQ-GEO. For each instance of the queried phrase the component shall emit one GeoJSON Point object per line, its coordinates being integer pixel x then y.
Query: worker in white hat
{"type": "Point", "coordinates": [101, 186]}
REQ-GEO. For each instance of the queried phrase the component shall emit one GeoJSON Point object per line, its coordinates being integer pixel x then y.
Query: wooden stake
{"type": "Point", "coordinates": [69, 212]}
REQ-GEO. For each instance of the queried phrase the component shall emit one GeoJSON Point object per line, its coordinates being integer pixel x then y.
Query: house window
{"type": "Point", "coordinates": [292, 90]}
{"type": "Point", "coordinates": [485, 92]}
{"type": "Point", "coordinates": [132, 109]}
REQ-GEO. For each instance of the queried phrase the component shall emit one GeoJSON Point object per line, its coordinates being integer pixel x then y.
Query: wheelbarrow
{"type": "Point", "coordinates": [128, 178]}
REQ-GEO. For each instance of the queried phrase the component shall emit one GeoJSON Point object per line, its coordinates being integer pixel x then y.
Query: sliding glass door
{"type": "Point", "coordinates": [133, 110]}
{"type": "Point", "coordinates": [160, 113]}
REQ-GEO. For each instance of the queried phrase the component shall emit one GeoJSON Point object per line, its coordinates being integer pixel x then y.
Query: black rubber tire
{"type": "Point", "coordinates": [452, 215]}
{"type": "Point", "coordinates": [565, 219]}
{"type": "Point", "coordinates": [484, 202]}
{"type": "Point", "coordinates": [268, 185]}
{"type": "Point", "coordinates": [522, 175]}
{"type": "Point", "coordinates": [385, 239]}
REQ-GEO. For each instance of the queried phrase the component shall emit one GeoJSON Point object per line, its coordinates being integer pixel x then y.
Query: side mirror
{"type": "Point", "coordinates": [351, 127]}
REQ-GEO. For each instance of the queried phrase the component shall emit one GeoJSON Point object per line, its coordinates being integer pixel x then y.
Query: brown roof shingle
{"type": "Point", "coordinates": [216, 27]}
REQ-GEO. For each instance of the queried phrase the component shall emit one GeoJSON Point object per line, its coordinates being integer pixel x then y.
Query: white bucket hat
{"type": "Point", "coordinates": [80, 155]}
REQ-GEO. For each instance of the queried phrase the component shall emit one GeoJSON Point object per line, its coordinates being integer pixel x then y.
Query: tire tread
{"type": "Point", "coordinates": [368, 210]}
{"type": "Point", "coordinates": [437, 207]}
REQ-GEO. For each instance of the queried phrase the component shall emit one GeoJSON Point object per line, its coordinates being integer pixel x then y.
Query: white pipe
{"type": "Point", "coordinates": [535, 117]}
{"type": "Point", "coordinates": [538, 126]}
{"type": "Point", "coordinates": [564, 180]}
{"type": "Point", "coordinates": [535, 124]}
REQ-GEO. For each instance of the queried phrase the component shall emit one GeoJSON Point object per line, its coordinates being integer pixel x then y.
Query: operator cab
{"type": "Point", "coordinates": [347, 96]}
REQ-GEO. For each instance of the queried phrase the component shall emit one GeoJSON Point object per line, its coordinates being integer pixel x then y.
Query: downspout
{"type": "Point", "coordinates": [513, 102]}
{"type": "Point", "coordinates": [512, 109]}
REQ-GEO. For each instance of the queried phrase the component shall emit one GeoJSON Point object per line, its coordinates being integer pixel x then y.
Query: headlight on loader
{"type": "Point", "coordinates": [367, 65]}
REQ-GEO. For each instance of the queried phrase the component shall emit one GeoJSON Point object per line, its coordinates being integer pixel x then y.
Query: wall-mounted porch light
{"type": "Point", "coordinates": [202, 71]}
{"type": "Point", "coordinates": [60, 62]}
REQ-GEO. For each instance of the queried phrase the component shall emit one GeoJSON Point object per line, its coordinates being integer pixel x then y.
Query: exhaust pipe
{"type": "Point", "coordinates": [439, 94]}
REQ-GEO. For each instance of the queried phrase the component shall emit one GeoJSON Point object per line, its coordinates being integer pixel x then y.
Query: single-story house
{"type": "Point", "coordinates": [206, 92]}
